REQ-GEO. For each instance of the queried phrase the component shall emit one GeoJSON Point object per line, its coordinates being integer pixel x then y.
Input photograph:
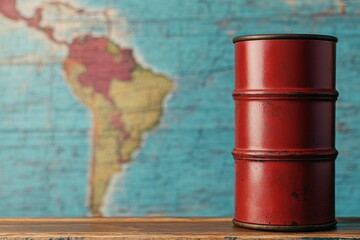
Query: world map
{"type": "Point", "coordinates": [125, 98]}
{"type": "Point", "coordinates": [116, 108]}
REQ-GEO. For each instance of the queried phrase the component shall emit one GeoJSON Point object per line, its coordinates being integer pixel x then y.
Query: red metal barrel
{"type": "Point", "coordinates": [285, 131]}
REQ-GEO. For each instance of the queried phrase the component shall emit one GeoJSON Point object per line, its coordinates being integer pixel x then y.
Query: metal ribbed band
{"type": "Point", "coordinates": [300, 155]}
{"type": "Point", "coordinates": [287, 94]}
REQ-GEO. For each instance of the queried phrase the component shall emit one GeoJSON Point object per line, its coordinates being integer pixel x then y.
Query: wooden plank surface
{"type": "Point", "coordinates": [154, 228]}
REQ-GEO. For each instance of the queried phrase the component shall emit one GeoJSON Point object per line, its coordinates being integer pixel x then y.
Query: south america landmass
{"type": "Point", "coordinates": [125, 99]}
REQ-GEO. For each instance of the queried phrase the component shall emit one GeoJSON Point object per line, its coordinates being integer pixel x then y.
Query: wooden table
{"type": "Point", "coordinates": [155, 228]}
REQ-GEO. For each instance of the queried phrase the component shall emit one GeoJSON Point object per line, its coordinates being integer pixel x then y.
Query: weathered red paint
{"type": "Point", "coordinates": [284, 131]}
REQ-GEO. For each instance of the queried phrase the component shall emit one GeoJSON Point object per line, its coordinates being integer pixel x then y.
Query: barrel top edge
{"type": "Point", "coordinates": [285, 36]}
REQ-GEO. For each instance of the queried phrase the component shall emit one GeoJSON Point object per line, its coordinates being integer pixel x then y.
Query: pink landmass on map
{"type": "Point", "coordinates": [101, 66]}
{"type": "Point", "coordinates": [36, 19]}
{"type": "Point", "coordinates": [8, 9]}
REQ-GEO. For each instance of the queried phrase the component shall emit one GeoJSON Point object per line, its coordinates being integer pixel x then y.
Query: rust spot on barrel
{"type": "Point", "coordinates": [294, 223]}
{"type": "Point", "coordinates": [295, 195]}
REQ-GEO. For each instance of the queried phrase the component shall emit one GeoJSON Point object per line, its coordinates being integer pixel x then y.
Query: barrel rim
{"type": "Point", "coordinates": [280, 36]}
{"type": "Point", "coordinates": [286, 228]}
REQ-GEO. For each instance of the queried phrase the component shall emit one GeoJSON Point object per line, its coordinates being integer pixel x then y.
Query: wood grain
{"type": "Point", "coordinates": [154, 228]}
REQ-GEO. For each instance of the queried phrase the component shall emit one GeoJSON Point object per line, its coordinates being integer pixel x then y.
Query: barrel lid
{"type": "Point", "coordinates": [284, 36]}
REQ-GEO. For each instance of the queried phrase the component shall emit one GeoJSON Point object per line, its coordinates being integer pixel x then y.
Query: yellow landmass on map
{"type": "Point", "coordinates": [137, 104]}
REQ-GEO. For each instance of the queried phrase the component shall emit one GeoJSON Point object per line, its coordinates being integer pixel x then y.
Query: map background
{"type": "Point", "coordinates": [184, 166]}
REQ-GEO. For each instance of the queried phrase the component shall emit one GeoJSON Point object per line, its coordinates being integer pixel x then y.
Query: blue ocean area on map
{"type": "Point", "coordinates": [184, 166]}
{"type": "Point", "coordinates": [45, 147]}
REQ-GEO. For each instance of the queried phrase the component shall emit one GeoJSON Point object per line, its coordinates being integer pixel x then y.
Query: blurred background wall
{"type": "Point", "coordinates": [124, 107]}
